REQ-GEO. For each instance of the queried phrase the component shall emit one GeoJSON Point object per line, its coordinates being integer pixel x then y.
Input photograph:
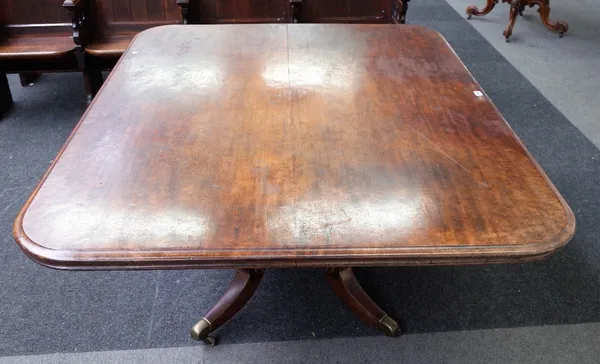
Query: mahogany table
{"type": "Point", "coordinates": [258, 146]}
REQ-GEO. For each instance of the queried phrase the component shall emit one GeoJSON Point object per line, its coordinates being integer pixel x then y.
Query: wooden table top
{"type": "Point", "coordinates": [291, 145]}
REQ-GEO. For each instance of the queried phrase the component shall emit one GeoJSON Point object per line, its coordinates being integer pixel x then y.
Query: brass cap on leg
{"type": "Point", "coordinates": [201, 330]}
{"type": "Point", "coordinates": [388, 326]}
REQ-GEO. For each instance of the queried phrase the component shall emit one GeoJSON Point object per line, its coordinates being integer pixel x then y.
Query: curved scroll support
{"type": "Point", "coordinates": [514, 11]}
{"type": "Point", "coordinates": [473, 10]}
{"type": "Point", "coordinates": [347, 288]}
{"type": "Point", "coordinates": [240, 290]}
{"type": "Point", "coordinates": [544, 9]}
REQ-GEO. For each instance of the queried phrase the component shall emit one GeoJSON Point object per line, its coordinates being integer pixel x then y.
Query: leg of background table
{"type": "Point", "coordinates": [514, 11]}
{"type": "Point", "coordinates": [544, 9]}
{"type": "Point", "coordinates": [5, 96]}
{"type": "Point", "coordinates": [345, 285]}
{"type": "Point", "coordinates": [473, 10]}
{"type": "Point", "coordinates": [239, 292]}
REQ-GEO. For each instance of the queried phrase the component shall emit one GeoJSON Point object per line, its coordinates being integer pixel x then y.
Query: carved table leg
{"type": "Point", "coordinates": [239, 292]}
{"type": "Point", "coordinates": [5, 96]}
{"type": "Point", "coordinates": [473, 10]}
{"type": "Point", "coordinates": [514, 11]}
{"type": "Point", "coordinates": [345, 285]}
{"type": "Point", "coordinates": [544, 9]}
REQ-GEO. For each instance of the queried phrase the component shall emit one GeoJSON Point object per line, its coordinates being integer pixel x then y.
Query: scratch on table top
{"type": "Point", "coordinates": [483, 184]}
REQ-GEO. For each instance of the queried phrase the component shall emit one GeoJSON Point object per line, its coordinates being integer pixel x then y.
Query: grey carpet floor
{"type": "Point", "coordinates": [44, 311]}
{"type": "Point", "coordinates": [524, 345]}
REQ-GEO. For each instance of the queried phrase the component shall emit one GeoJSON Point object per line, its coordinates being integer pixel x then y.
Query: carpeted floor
{"type": "Point", "coordinates": [44, 311]}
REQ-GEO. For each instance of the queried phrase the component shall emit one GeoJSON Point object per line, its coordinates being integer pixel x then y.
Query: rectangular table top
{"type": "Point", "coordinates": [291, 145]}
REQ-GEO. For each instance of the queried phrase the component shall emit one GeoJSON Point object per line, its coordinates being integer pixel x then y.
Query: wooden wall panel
{"type": "Point", "coordinates": [111, 11]}
{"type": "Point", "coordinates": [332, 11]}
{"type": "Point", "coordinates": [172, 10]}
{"type": "Point", "coordinates": [103, 10]}
{"type": "Point", "coordinates": [156, 9]}
{"type": "Point", "coordinates": [139, 10]}
{"type": "Point", "coordinates": [35, 11]}
{"type": "Point", "coordinates": [121, 10]}
{"type": "Point", "coordinates": [242, 11]}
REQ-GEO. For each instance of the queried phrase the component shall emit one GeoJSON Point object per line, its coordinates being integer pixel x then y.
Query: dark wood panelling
{"type": "Point", "coordinates": [172, 10]}
{"type": "Point", "coordinates": [36, 12]}
{"type": "Point", "coordinates": [242, 11]}
{"type": "Point", "coordinates": [39, 18]}
{"type": "Point", "coordinates": [115, 16]}
{"type": "Point", "coordinates": [117, 22]}
{"type": "Point", "coordinates": [18, 12]}
{"type": "Point", "coordinates": [139, 9]}
{"type": "Point", "coordinates": [102, 10]}
{"type": "Point", "coordinates": [353, 11]}
{"type": "Point", "coordinates": [121, 9]}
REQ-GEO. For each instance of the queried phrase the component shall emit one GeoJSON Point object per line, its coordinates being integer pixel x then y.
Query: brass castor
{"type": "Point", "coordinates": [388, 326]}
{"type": "Point", "coordinates": [200, 332]}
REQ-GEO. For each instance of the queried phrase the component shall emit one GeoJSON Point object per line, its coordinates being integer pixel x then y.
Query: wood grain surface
{"type": "Point", "coordinates": [291, 145]}
{"type": "Point", "coordinates": [34, 30]}
{"type": "Point", "coordinates": [110, 46]}
{"type": "Point", "coordinates": [36, 47]}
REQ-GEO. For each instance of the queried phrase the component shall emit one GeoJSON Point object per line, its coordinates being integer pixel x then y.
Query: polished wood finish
{"type": "Point", "coordinates": [516, 8]}
{"type": "Point", "coordinates": [36, 47]}
{"type": "Point", "coordinates": [111, 46]}
{"type": "Point", "coordinates": [347, 288]}
{"type": "Point", "coordinates": [291, 145]}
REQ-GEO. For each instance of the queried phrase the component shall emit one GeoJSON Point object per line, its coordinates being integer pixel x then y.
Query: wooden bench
{"type": "Point", "coordinates": [303, 11]}
{"type": "Point", "coordinates": [92, 34]}
{"type": "Point", "coordinates": [39, 40]}
{"type": "Point", "coordinates": [110, 25]}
